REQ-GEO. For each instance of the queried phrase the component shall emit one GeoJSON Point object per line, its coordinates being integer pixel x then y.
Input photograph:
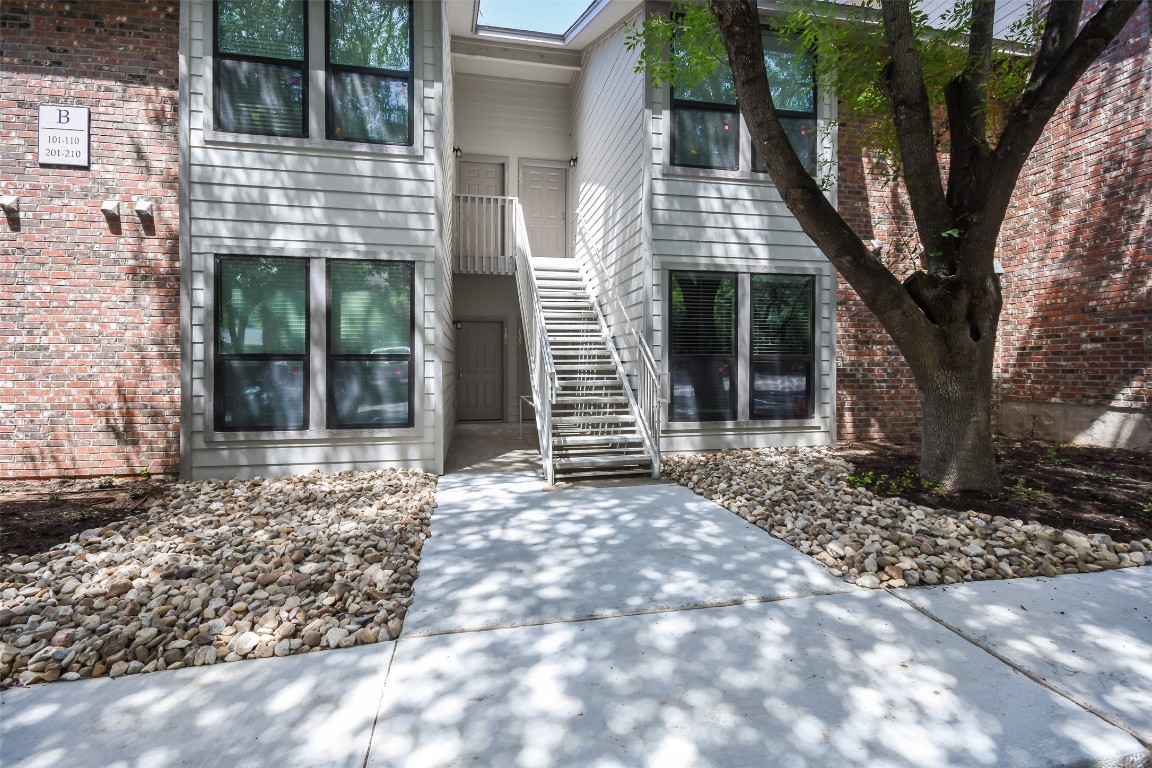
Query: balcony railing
{"type": "Point", "coordinates": [484, 235]}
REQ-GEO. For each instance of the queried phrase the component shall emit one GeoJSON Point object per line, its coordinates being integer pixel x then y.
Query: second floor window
{"type": "Point", "coordinates": [262, 68]}
{"type": "Point", "coordinates": [370, 71]}
{"type": "Point", "coordinates": [706, 118]}
{"type": "Point", "coordinates": [792, 78]}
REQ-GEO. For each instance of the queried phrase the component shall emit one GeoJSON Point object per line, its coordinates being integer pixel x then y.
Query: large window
{"type": "Point", "coordinates": [262, 377]}
{"type": "Point", "coordinates": [262, 68]}
{"type": "Point", "coordinates": [706, 120]}
{"type": "Point", "coordinates": [261, 48]}
{"type": "Point", "coordinates": [369, 344]}
{"type": "Point", "coordinates": [261, 343]}
{"type": "Point", "coordinates": [703, 346]}
{"type": "Point", "coordinates": [724, 322]}
{"type": "Point", "coordinates": [782, 346]}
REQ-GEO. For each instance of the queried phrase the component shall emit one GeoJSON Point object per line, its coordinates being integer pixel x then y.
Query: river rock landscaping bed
{"type": "Point", "coordinates": [220, 571]}
{"type": "Point", "coordinates": [802, 495]}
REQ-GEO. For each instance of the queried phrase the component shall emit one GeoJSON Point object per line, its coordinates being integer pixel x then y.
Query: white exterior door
{"type": "Point", "coordinates": [481, 364]}
{"type": "Point", "coordinates": [544, 197]}
{"type": "Point", "coordinates": [475, 178]}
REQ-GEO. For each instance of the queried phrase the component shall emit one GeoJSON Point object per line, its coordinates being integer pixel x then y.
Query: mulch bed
{"type": "Point", "coordinates": [1091, 490]}
{"type": "Point", "coordinates": [36, 516]}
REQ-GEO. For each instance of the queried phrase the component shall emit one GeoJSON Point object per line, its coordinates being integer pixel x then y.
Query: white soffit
{"type": "Point", "coordinates": [522, 56]}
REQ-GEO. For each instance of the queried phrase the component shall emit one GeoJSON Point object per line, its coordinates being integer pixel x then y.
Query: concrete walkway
{"type": "Point", "coordinates": [644, 626]}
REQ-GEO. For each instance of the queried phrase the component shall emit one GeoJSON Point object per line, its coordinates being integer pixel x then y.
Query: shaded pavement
{"type": "Point", "coordinates": [644, 626]}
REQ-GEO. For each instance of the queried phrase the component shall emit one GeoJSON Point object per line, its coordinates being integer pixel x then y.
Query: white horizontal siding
{"type": "Point", "coordinates": [445, 348]}
{"type": "Point", "coordinates": [610, 182]}
{"type": "Point", "coordinates": [512, 119]}
{"type": "Point", "coordinates": [318, 197]}
{"type": "Point", "coordinates": [735, 222]}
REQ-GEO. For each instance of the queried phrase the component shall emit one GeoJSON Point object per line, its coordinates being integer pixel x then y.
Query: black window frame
{"type": "Point", "coordinates": [330, 69]}
{"type": "Point", "coordinates": [792, 114]}
{"type": "Point", "coordinates": [809, 359]}
{"type": "Point", "coordinates": [732, 109]}
{"type": "Point", "coordinates": [330, 357]}
{"type": "Point", "coordinates": [218, 56]}
{"type": "Point", "coordinates": [218, 355]}
{"type": "Point", "coordinates": [733, 357]}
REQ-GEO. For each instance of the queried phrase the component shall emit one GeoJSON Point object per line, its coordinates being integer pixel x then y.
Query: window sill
{"type": "Point", "coordinates": [758, 425]}
{"type": "Point", "coordinates": [688, 172]}
{"type": "Point", "coordinates": [311, 436]}
{"type": "Point", "coordinates": [328, 146]}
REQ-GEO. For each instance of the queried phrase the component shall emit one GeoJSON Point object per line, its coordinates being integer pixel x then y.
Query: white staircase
{"type": "Point", "coordinates": [594, 426]}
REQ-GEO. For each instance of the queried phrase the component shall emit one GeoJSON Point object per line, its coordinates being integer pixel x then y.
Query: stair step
{"type": "Point", "coordinates": [590, 462]}
{"type": "Point", "coordinates": [581, 420]}
{"type": "Point", "coordinates": [597, 440]}
{"type": "Point", "coordinates": [571, 383]}
{"type": "Point", "coordinates": [591, 400]}
{"type": "Point", "coordinates": [569, 359]}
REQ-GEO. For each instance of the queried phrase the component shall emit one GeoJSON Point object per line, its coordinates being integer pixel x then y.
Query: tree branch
{"type": "Point", "coordinates": [878, 288]}
{"type": "Point", "coordinates": [966, 98]}
{"type": "Point", "coordinates": [1059, 32]}
{"type": "Point", "coordinates": [912, 118]}
{"type": "Point", "coordinates": [1031, 112]}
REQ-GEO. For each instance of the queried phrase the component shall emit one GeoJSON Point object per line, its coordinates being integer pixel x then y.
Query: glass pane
{"type": "Point", "coordinates": [791, 74]}
{"type": "Point", "coordinates": [716, 89]}
{"type": "Point", "coordinates": [703, 346]}
{"type": "Point", "coordinates": [371, 305]}
{"type": "Point", "coordinates": [259, 98]}
{"type": "Point", "coordinates": [703, 312]}
{"type": "Point", "coordinates": [782, 314]}
{"type": "Point", "coordinates": [260, 394]}
{"type": "Point", "coordinates": [370, 33]}
{"type": "Point", "coordinates": [704, 138]}
{"type": "Point", "coordinates": [369, 393]}
{"type": "Point", "coordinates": [273, 29]}
{"type": "Point", "coordinates": [781, 389]}
{"type": "Point", "coordinates": [262, 306]}
{"type": "Point", "coordinates": [802, 136]}
{"type": "Point", "coordinates": [702, 388]}
{"type": "Point", "coordinates": [369, 108]}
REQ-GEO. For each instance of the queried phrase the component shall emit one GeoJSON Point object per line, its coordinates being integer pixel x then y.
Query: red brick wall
{"type": "Point", "coordinates": [89, 328]}
{"type": "Point", "coordinates": [876, 397]}
{"type": "Point", "coordinates": [1077, 321]}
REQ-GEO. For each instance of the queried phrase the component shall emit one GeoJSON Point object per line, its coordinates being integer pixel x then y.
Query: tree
{"type": "Point", "coordinates": [944, 317]}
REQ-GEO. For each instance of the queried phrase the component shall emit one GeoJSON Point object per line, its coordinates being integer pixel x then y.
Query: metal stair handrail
{"type": "Point", "coordinates": [541, 366]}
{"type": "Point", "coordinates": [647, 405]}
{"type": "Point", "coordinates": [646, 399]}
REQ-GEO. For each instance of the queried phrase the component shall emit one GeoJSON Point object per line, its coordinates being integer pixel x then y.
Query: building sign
{"type": "Point", "coordinates": [64, 135]}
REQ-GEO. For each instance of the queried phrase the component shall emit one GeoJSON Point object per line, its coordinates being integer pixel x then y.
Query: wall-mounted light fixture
{"type": "Point", "coordinates": [110, 209]}
{"type": "Point", "coordinates": [572, 162]}
{"type": "Point", "coordinates": [143, 208]}
{"type": "Point", "coordinates": [457, 151]}
{"type": "Point", "coordinates": [457, 324]}
{"type": "Point", "coordinates": [10, 203]}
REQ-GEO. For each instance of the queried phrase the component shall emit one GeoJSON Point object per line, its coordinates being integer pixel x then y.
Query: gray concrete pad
{"type": "Point", "coordinates": [311, 710]}
{"type": "Point", "coordinates": [1088, 634]}
{"type": "Point", "coordinates": [857, 679]}
{"type": "Point", "coordinates": [504, 551]}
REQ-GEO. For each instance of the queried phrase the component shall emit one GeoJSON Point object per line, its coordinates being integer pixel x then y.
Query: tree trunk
{"type": "Point", "coordinates": [952, 365]}
{"type": "Point", "coordinates": [956, 449]}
